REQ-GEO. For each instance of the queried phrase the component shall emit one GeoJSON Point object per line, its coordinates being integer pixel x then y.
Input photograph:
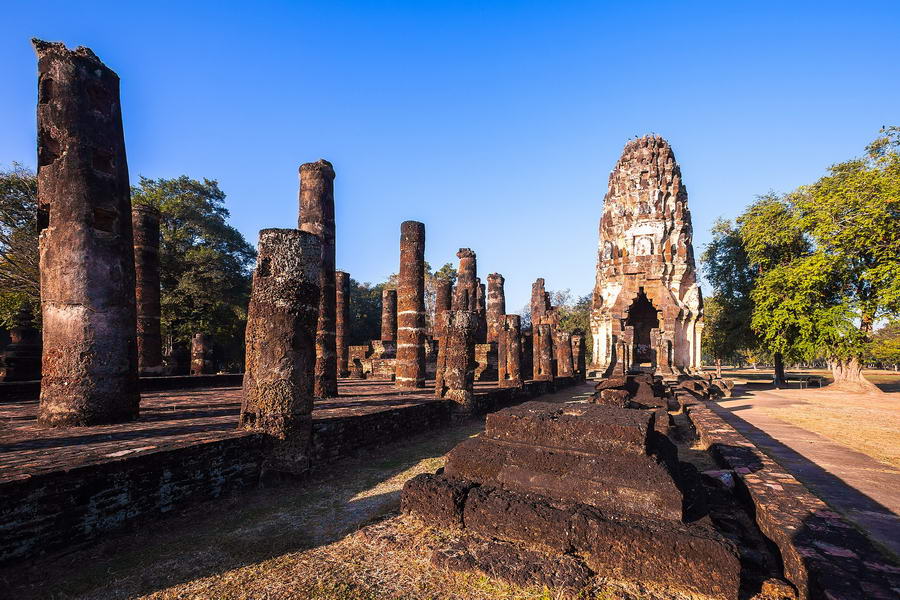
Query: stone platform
{"type": "Point", "coordinates": [61, 487]}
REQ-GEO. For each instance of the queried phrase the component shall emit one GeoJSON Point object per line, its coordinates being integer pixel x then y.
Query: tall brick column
{"type": "Point", "coordinates": [89, 359]}
{"type": "Point", "coordinates": [563, 348]}
{"type": "Point", "coordinates": [458, 358]}
{"type": "Point", "coordinates": [465, 292]}
{"type": "Point", "coordinates": [578, 356]}
{"type": "Point", "coordinates": [410, 361]}
{"type": "Point", "coordinates": [145, 224]}
{"type": "Point", "coordinates": [281, 346]}
{"type": "Point", "coordinates": [543, 353]}
{"type": "Point", "coordinates": [317, 217]}
{"type": "Point", "coordinates": [342, 322]}
{"type": "Point", "coordinates": [540, 301]}
{"type": "Point", "coordinates": [389, 315]}
{"type": "Point", "coordinates": [509, 352]}
{"type": "Point", "coordinates": [496, 306]}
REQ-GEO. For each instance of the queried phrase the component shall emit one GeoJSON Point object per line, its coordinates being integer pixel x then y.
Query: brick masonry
{"type": "Point", "coordinates": [64, 487]}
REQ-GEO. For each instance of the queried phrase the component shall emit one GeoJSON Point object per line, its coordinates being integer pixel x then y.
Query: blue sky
{"type": "Point", "coordinates": [495, 123]}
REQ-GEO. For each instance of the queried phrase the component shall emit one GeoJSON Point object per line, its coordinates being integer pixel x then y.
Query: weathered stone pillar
{"type": "Point", "coordinates": [496, 306]}
{"type": "Point", "coordinates": [540, 302]}
{"type": "Point", "coordinates": [281, 346]}
{"type": "Point", "coordinates": [145, 223]}
{"type": "Point", "coordinates": [410, 362]}
{"type": "Point", "coordinates": [458, 358]}
{"type": "Point", "coordinates": [342, 320]}
{"type": "Point", "coordinates": [465, 292]}
{"type": "Point", "coordinates": [543, 353]}
{"type": "Point", "coordinates": [389, 315]}
{"type": "Point", "coordinates": [509, 352]}
{"type": "Point", "coordinates": [443, 301]}
{"type": "Point", "coordinates": [89, 357]}
{"type": "Point", "coordinates": [317, 217]}
{"type": "Point", "coordinates": [201, 354]}
{"type": "Point", "coordinates": [578, 356]}
{"type": "Point", "coordinates": [563, 347]}
{"type": "Point", "coordinates": [481, 311]}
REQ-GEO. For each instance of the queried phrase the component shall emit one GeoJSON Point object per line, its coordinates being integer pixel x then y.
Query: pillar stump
{"type": "Point", "coordinates": [281, 346]}
{"type": "Point", "coordinates": [458, 359]}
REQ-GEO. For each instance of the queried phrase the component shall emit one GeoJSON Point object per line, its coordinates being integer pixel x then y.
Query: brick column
{"type": "Point", "coordinates": [89, 359]}
{"type": "Point", "coordinates": [201, 352]}
{"type": "Point", "coordinates": [543, 353]}
{"type": "Point", "coordinates": [465, 292]}
{"type": "Point", "coordinates": [342, 320]}
{"type": "Point", "coordinates": [145, 223]}
{"type": "Point", "coordinates": [389, 315]}
{"type": "Point", "coordinates": [563, 348]}
{"type": "Point", "coordinates": [410, 362]}
{"type": "Point", "coordinates": [496, 306]}
{"type": "Point", "coordinates": [317, 217]}
{"type": "Point", "coordinates": [281, 346]}
{"type": "Point", "coordinates": [458, 358]}
{"type": "Point", "coordinates": [509, 352]}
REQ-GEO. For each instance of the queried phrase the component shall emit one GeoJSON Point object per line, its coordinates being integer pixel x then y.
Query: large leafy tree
{"type": "Point", "coordinates": [204, 263]}
{"type": "Point", "coordinates": [841, 273]}
{"type": "Point", "coordinates": [20, 292]}
{"type": "Point", "coordinates": [727, 312]}
{"type": "Point", "coordinates": [885, 346]}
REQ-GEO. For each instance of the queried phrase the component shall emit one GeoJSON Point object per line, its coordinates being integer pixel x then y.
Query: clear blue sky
{"type": "Point", "coordinates": [495, 123]}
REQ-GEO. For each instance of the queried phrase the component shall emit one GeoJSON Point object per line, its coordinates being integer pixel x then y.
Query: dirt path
{"type": "Point", "coordinates": [198, 551]}
{"type": "Point", "coordinates": [863, 489]}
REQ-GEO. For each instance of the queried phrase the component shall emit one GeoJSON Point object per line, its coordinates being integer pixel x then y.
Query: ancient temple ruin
{"type": "Point", "coordinates": [647, 311]}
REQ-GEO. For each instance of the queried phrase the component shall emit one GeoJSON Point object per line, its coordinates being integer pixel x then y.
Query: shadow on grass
{"type": "Point", "coordinates": [245, 528]}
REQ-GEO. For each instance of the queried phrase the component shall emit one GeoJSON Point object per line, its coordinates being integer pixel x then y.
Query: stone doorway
{"type": "Point", "coordinates": [642, 315]}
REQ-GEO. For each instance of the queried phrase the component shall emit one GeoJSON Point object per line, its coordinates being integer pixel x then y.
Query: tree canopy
{"type": "Point", "coordinates": [19, 279]}
{"type": "Point", "coordinates": [822, 262]}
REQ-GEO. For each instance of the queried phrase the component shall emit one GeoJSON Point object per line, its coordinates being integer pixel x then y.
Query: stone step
{"type": "Point", "coordinates": [623, 483]}
{"type": "Point", "coordinates": [584, 427]}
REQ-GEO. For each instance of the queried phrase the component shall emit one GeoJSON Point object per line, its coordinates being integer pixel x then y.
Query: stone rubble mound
{"type": "Point", "coordinates": [556, 494]}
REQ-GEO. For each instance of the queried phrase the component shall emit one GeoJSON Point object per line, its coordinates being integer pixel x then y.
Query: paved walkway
{"type": "Point", "coordinates": [865, 491]}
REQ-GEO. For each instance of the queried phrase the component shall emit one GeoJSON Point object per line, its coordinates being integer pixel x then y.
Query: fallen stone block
{"type": "Point", "coordinates": [513, 563]}
{"type": "Point", "coordinates": [686, 557]}
{"type": "Point", "coordinates": [438, 500]}
{"type": "Point", "coordinates": [583, 427]}
{"type": "Point", "coordinates": [630, 484]}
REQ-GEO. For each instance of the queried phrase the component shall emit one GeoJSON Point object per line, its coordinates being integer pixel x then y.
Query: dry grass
{"type": "Point", "coordinates": [867, 423]}
{"type": "Point", "coordinates": [387, 560]}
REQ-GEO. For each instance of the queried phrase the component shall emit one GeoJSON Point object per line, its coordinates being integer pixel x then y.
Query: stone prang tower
{"type": "Point", "coordinates": [647, 311]}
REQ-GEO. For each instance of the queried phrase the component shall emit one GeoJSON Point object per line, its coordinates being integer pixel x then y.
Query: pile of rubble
{"type": "Point", "coordinates": [558, 494]}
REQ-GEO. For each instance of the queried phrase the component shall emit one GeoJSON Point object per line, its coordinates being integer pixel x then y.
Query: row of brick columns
{"type": "Point", "coordinates": [101, 301]}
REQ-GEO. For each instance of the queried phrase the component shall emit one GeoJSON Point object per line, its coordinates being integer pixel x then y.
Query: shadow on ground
{"type": "Point", "coordinates": [243, 529]}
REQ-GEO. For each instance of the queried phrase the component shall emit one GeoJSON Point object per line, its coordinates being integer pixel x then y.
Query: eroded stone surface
{"type": "Point", "coordinates": [509, 352]}
{"type": "Point", "coordinates": [389, 315]}
{"type": "Point", "coordinates": [281, 350]}
{"type": "Point", "coordinates": [86, 246]}
{"type": "Point", "coordinates": [646, 278]}
{"type": "Point", "coordinates": [458, 358]}
{"type": "Point", "coordinates": [496, 306]}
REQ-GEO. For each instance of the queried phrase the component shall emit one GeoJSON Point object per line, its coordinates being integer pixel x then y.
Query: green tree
{"type": "Point", "coordinates": [365, 312]}
{"type": "Point", "coordinates": [19, 278]}
{"type": "Point", "coordinates": [885, 346]}
{"type": "Point", "coordinates": [727, 313]}
{"type": "Point", "coordinates": [204, 264]}
{"type": "Point", "coordinates": [772, 237]}
{"type": "Point", "coordinates": [842, 275]}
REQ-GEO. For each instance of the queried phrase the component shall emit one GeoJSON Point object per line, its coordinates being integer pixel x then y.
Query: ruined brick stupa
{"type": "Point", "coordinates": [647, 311]}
